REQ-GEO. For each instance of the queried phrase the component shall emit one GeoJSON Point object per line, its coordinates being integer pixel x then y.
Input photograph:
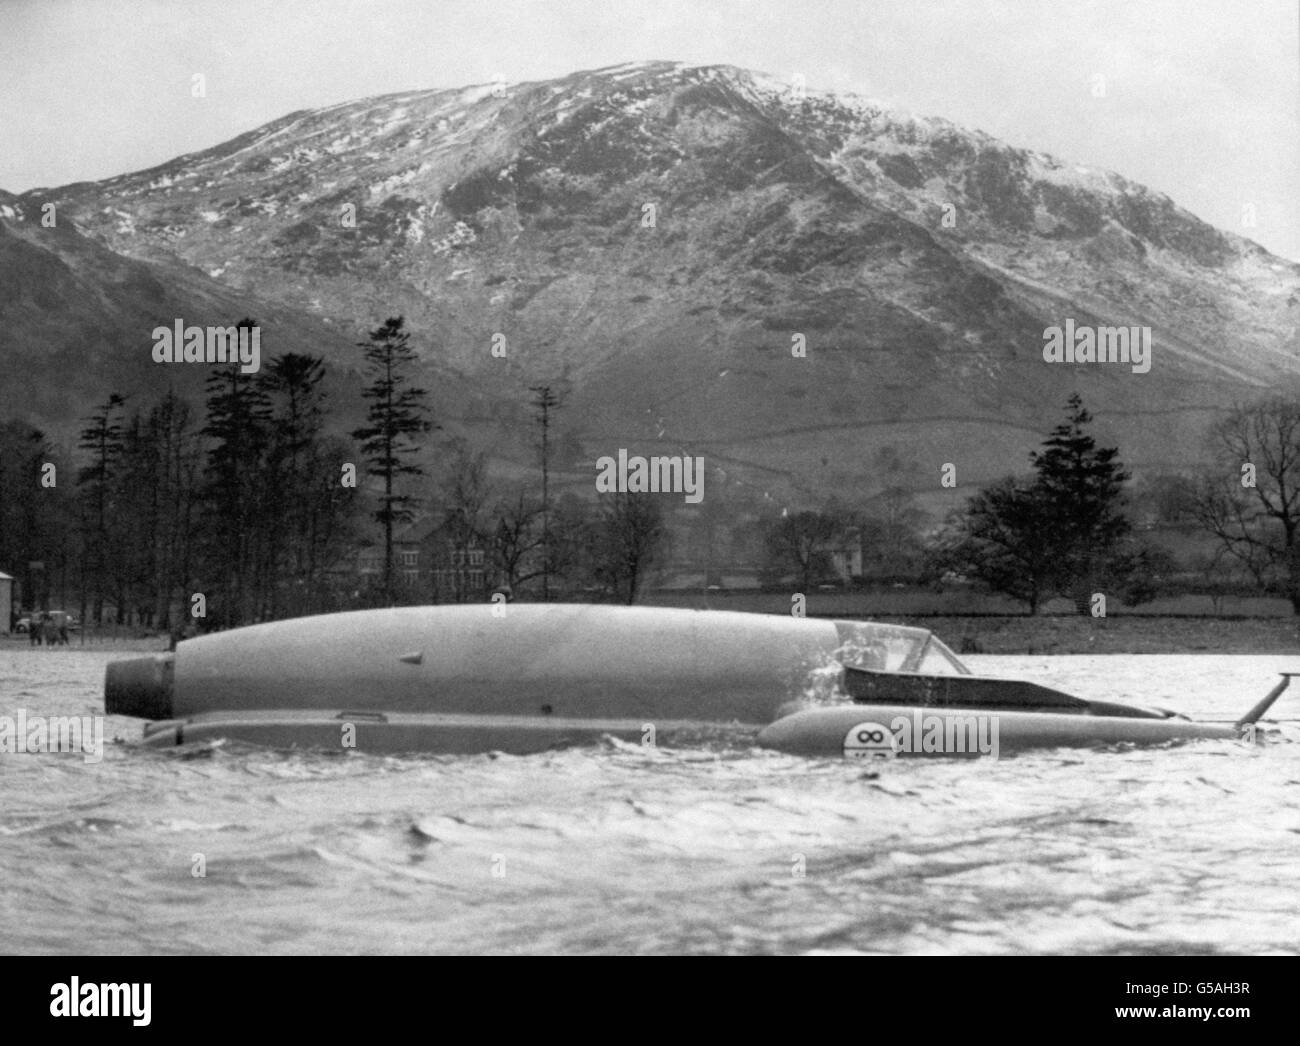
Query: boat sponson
{"type": "Point", "coordinates": [824, 731]}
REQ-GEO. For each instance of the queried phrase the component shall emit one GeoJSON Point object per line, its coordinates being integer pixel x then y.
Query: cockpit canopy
{"type": "Point", "coordinates": [895, 648]}
{"type": "Point", "coordinates": [910, 658]}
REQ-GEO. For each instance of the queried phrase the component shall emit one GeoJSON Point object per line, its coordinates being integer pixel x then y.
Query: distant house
{"type": "Point", "coordinates": [845, 553]}
{"type": "Point", "coordinates": [432, 562]}
{"type": "Point", "coordinates": [459, 574]}
{"type": "Point", "coordinates": [407, 545]}
{"type": "Point", "coordinates": [6, 602]}
{"type": "Point", "coordinates": [458, 562]}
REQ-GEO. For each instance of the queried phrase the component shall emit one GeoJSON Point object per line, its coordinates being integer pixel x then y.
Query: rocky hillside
{"type": "Point", "coordinates": [650, 238]}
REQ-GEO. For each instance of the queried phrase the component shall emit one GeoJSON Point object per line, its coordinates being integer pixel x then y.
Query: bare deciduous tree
{"type": "Point", "coordinates": [630, 535]}
{"type": "Point", "coordinates": [517, 543]}
{"type": "Point", "coordinates": [1250, 499]}
{"type": "Point", "coordinates": [801, 541]}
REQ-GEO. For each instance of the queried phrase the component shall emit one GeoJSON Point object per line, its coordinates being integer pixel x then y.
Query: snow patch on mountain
{"type": "Point", "coordinates": [461, 235]}
{"type": "Point", "coordinates": [471, 95]}
{"type": "Point", "coordinates": [1044, 168]}
{"type": "Point", "coordinates": [385, 187]}
{"type": "Point", "coordinates": [626, 67]}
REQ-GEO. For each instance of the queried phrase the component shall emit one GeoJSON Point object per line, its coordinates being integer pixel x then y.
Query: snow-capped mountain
{"type": "Point", "coordinates": [653, 239]}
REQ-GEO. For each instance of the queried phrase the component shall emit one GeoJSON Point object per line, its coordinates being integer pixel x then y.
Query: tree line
{"type": "Point", "coordinates": [248, 503]}
{"type": "Point", "coordinates": [1065, 528]}
{"type": "Point", "coordinates": [255, 508]}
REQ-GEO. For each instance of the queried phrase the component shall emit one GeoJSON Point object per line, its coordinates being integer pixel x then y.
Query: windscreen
{"type": "Point", "coordinates": [894, 648]}
{"type": "Point", "coordinates": [938, 660]}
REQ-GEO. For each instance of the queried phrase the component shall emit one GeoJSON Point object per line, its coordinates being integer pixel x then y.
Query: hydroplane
{"type": "Point", "coordinates": [525, 678]}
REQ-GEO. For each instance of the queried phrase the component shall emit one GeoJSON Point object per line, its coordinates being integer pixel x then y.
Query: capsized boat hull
{"type": "Point", "coordinates": [864, 730]}
{"type": "Point", "coordinates": [524, 678]}
{"type": "Point", "coordinates": [566, 660]}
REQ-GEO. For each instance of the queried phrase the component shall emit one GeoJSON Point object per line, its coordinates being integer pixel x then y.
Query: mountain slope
{"type": "Point", "coordinates": [522, 210]}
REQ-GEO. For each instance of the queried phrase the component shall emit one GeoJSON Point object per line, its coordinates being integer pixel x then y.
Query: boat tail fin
{"type": "Point", "coordinates": [1267, 702]}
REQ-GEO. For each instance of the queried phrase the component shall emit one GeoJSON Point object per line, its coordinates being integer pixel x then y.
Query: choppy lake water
{"type": "Point", "coordinates": [616, 848]}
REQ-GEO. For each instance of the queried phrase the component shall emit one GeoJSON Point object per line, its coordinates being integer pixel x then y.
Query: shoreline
{"type": "Point", "coordinates": [981, 634]}
{"type": "Point", "coordinates": [1123, 634]}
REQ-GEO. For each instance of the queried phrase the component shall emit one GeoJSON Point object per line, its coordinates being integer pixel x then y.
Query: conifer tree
{"type": "Point", "coordinates": [291, 383]}
{"type": "Point", "coordinates": [102, 439]}
{"type": "Point", "coordinates": [396, 416]}
{"type": "Point", "coordinates": [1082, 486]}
{"type": "Point", "coordinates": [1060, 532]}
{"type": "Point", "coordinates": [238, 424]}
{"type": "Point", "coordinates": [167, 463]}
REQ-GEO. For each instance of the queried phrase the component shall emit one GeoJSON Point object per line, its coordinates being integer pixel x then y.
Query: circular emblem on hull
{"type": "Point", "coordinates": [870, 741]}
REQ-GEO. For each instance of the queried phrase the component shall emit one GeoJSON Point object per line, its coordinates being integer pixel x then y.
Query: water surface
{"type": "Point", "coordinates": [617, 848]}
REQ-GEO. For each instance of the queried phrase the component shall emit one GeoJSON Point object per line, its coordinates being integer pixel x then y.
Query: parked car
{"type": "Point", "coordinates": [59, 617]}
{"type": "Point", "coordinates": [63, 619]}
